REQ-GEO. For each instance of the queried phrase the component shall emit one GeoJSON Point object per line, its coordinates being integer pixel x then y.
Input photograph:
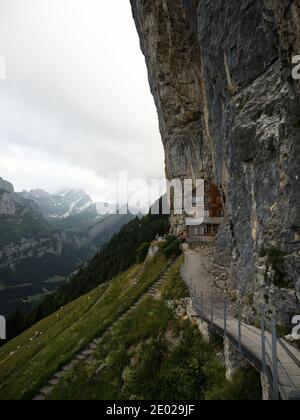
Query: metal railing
{"type": "Point", "coordinates": [218, 314]}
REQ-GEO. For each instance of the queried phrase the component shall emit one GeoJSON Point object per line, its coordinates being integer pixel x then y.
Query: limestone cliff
{"type": "Point", "coordinates": [229, 111]}
{"type": "Point", "coordinates": [6, 186]}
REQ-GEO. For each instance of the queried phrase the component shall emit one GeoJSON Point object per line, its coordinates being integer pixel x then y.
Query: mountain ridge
{"type": "Point", "coordinates": [44, 238]}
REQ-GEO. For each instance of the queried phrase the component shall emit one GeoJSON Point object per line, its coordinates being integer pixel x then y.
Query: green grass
{"type": "Point", "coordinates": [151, 354]}
{"type": "Point", "coordinates": [282, 330]}
{"type": "Point", "coordinates": [174, 288]}
{"type": "Point", "coordinates": [69, 330]}
{"type": "Point", "coordinates": [245, 385]}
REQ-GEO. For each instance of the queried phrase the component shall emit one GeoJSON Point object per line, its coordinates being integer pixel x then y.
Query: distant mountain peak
{"type": "Point", "coordinates": [39, 193]}
{"type": "Point", "coordinates": [71, 191]}
{"type": "Point", "coordinates": [66, 203]}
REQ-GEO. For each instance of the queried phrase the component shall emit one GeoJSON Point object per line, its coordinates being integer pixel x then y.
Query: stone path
{"type": "Point", "coordinates": [251, 347]}
{"type": "Point", "coordinates": [199, 272]}
{"type": "Point", "coordinates": [92, 347]}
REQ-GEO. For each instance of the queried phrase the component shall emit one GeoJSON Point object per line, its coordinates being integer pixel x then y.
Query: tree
{"type": "Point", "coordinates": [142, 252]}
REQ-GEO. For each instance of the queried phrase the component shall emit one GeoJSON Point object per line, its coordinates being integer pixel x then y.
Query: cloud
{"type": "Point", "coordinates": [76, 105]}
{"type": "Point", "coordinates": [63, 174]}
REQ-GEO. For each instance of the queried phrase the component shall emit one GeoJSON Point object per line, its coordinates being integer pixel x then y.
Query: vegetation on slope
{"type": "Point", "coordinates": [30, 360]}
{"type": "Point", "coordinates": [153, 355]}
{"type": "Point", "coordinates": [117, 256]}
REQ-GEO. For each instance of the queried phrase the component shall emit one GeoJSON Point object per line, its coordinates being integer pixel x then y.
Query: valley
{"type": "Point", "coordinates": [25, 296]}
{"type": "Point", "coordinates": [46, 237]}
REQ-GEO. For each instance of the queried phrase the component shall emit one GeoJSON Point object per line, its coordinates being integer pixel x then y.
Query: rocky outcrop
{"type": "Point", "coordinates": [38, 248]}
{"type": "Point", "coordinates": [234, 360]}
{"type": "Point", "coordinates": [6, 186]}
{"type": "Point", "coordinates": [220, 73]}
{"type": "Point", "coordinates": [7, 205]}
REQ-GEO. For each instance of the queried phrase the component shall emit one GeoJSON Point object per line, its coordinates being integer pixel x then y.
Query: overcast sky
{"type": "Point", "coordinates": [76, 105]}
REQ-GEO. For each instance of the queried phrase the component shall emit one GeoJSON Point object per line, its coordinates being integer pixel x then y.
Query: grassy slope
{"type": "Point", "coordinates": [115, 258]}
{"type": "Point", "coordinates": [149, 355]}
{"type": "Point", "coordinates": [154, 355]}
{"type": "Point", "coordinates": [68, 331]}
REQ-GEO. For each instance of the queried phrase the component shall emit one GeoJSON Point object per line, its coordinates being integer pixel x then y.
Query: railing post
{"type": "Point", "coordinates": [197, 299]}
{"type": "Point", "coordinates": [240, 328]}
{"type": "Point", "coordinates": [225, 316]}
{"type": "Point", "coordinates": [263, 342]}
{"type": "Point", "coordinates": [275, 360]}
{"type": "Point", "coordinates": [211, 310]}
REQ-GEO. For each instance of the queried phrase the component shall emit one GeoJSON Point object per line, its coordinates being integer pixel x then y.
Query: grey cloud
{"type": "Point", "coordinates": [77, 91]}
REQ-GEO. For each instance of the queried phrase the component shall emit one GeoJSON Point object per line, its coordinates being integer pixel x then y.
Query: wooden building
{"type": "Point", "coordinates": [204, 228]}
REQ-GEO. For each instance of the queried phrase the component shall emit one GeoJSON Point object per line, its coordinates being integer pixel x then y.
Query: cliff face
{"type": "Point", "coordinates": [6, 186]}
{"type": "Point", "coordinates": [229, 112]}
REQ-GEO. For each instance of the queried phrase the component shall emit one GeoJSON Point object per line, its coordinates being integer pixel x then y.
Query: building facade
{"type": "Point", "coordinates": [204, 227]}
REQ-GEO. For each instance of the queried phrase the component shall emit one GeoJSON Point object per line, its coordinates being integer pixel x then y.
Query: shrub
{"type": "Point", "coordinates": [171, 248]}
{"type": "Point", "coordinates": [275, 259]}
{"type": "Point", "coordinates": [282, 331]}
{"type": "Point", "coordinates": [142, 252]}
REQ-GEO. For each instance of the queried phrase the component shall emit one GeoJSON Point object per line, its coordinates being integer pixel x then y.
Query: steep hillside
{"type": "Point", "coordinates": [221, 76]}
{"type": "Point", "coordinates": [34, 257]}
{"type": "Point", "coordinates": [102, 231]}
{"type": "Point", "coordinates": [146, 353]}
{"type": "Point", "coordinates": [116, 256]}
{"type": "Point", "coordinates": [43, 239]}
{"type": "Point", "coordinates": [19, 218]}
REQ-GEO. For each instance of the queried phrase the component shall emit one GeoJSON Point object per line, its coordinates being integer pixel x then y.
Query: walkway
{"type": "Point", "coordinates": [258, 346]}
